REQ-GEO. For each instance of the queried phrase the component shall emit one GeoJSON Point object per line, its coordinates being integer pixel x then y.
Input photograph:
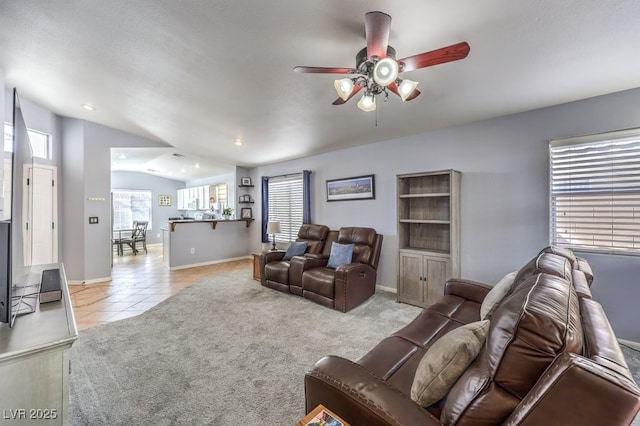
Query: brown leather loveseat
{"type": "Point", "coordinates": [549, 357]}
{"type": "Point", "coordinates": [312, 276]}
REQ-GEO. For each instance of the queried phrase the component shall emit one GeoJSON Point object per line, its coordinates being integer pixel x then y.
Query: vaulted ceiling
{"type": "Point", "coordinates": [200, 75]}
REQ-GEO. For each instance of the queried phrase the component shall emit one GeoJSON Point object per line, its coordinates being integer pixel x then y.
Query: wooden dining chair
{"type": "Point", "coordinates": [138, 235]}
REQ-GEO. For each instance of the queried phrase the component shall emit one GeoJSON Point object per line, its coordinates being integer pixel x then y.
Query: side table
{"type": "Point", "coordinates": [256, 265]}
{"type": "Point", "coordinates": [321, 415]}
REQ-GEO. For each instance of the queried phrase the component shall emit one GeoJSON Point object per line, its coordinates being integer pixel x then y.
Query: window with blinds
{"type": "Point", "coordinates": [130, 205]}
{"type": "Point", "coordinates": [286, 205]}
{"type": "Point", "coordinates": [595, 192]}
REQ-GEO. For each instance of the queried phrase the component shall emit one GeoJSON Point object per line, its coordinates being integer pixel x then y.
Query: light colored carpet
{"type": "Point", "coordinates": [225, 351]}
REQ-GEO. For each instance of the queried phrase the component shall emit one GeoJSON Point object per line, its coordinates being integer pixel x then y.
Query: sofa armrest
{"type": "Point", "coordinates": [267, 257]}
{"type": "Point", "coordinates": [316, 256]}
{"type": "Point", "coordinates": [354, 283]}
{"type": "Point", "coordinates": [603, 395]}
{"type": "Point", "coordinates": [467, 289]}
{"type": "Point", "coordinates": [272, 256]}
{"type": "Point", "coordinates": [360, 397]}
{"type": "Point", "coordinates": [299, 264]}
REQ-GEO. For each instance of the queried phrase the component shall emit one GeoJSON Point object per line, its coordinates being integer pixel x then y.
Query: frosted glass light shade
{"type": "Point", "coordinates": [385, 71]}
{"type": "Point", "coordinates": [406, 88]}
{"type": "Point", "coordinates": [367, 103]}
{"type": "Point", "coordinates": [344, 87]}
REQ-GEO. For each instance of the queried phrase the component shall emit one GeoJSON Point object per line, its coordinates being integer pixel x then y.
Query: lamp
{"type": "Point", "coordinates": [344, 87]}
{"type": "Point", "coordinates": [385, 71]}
{"type": "Point", "coordinates": [273, 228]}
{"type": "Point", "coordinates": [367, 103]}
{"type": "Point", "coordinates": [406, 88]}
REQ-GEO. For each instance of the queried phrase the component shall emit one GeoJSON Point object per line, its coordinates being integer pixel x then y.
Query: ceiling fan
{"type": "Point", "coordinates": [377, 69]}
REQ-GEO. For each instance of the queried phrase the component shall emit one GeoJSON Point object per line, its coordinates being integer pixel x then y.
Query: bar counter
{"type": "Point", "coordinates": [191, 243]}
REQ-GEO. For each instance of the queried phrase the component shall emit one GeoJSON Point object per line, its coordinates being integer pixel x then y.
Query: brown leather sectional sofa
{"type": "Point", "coordinates": [550, 357]}
{"type": "Point", "coordinates": [342, 288]}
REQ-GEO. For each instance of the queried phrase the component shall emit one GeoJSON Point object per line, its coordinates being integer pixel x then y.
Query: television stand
{"type": "Point", "coordinates": [34, 360]}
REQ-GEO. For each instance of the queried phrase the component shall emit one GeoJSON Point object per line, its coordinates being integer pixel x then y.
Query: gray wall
{"type": "Point", "coordinates": [86, 148]}
{"type": "Point", "coordinates": [158, 186]}
{"type": "Point", "coordinates": [504, 165]}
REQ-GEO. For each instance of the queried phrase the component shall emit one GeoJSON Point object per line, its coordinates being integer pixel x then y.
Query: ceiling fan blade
{"type": "Point", "coordinates": [324, 70]}
{"type": "Point", "coordinates": [340, 101]}
{"type": "Point", "coordinates": [435, 57]}
{"type": "Point", "coordinates": [376, 27]}
{"type": "Point", "coordinates": [394, 88]}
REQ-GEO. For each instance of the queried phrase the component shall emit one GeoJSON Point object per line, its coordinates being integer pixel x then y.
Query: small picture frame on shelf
{"type": "Point", "coordinates": [245, 181]}
{"type": "Point", "coordinates": [246, 213]}
{"type": "Point", "coordinates": [245, 198]}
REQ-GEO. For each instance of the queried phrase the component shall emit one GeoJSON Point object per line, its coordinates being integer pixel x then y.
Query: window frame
{"type": "Point", "coordinates": [48, 148]}
{"type": "Point", "coordinates": [599, 189]}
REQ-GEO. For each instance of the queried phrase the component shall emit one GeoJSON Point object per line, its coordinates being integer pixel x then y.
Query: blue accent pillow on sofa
{"type": "Point", "coordinates": [341, 254]}
{"type": "Point", "coordinates": [295, 249]}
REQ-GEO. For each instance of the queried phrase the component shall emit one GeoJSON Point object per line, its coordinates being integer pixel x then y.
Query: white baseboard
{"type": "Point", "coordinates": [213, 262]}
{"type": "Point", "coordinates": [385, 288]}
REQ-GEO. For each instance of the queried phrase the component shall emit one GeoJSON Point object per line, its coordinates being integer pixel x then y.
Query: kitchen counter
{"type": "Point", "coordinates": [213, 222]}
{"type": "Point", "coordinates": [203, 242]}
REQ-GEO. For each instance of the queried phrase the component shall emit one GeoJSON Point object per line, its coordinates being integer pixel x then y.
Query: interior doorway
{"type": "Point", "coordinates": [43, 230]}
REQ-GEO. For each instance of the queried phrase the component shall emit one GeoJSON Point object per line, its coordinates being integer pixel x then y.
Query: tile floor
{"type": "Point", "coordinates": [137, 284]}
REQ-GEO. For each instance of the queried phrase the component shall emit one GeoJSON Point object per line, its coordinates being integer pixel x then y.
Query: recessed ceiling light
{"type": "Point", "coordinates": [237, 142]}
{"type": "Point", "coordinates": [88, 107]}
{"type": "Point", "coordinates": [182, 170]}
{"type": "Point", "coordinates": [197, 165]}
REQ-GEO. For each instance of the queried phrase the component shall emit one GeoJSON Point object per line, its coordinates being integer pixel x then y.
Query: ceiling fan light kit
{"type": "Point", "coordinates": [367, 103]}
{"type": "Point", "coordinates": [406, 88]}
{"type": "Point", "coordinates": [344, 87]}
{"type": "Point", "coordinates": [385, 71]}
{"type": "Point", "coordinates": [377, 69]}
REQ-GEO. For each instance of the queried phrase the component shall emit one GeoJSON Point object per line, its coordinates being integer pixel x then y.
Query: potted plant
{"type": "Point", "coordinates": [226, 212]}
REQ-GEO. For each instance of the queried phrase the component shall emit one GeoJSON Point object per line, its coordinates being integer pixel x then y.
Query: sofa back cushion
{"type": "Point", "coordinates": [536, 322]}
{"type": "Point", "coordinates": [314, 235]}
{"type": "Point", "coordinates": [363, 240]}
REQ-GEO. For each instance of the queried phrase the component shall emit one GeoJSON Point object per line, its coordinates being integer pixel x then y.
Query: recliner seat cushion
{"type": "Point", "coordinates": [277, 271]}
{"type": "Point", "coordinates": [319, 281]}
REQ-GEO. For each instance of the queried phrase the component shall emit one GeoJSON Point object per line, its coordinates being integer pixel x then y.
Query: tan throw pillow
{"type": "Point", "coordinates": [496, 294]}
{"type": "Point", "coordinates": [446, 360]}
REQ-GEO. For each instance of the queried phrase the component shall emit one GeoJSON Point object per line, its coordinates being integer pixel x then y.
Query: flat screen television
{"type": "Point", "coordinates": [16, 279]}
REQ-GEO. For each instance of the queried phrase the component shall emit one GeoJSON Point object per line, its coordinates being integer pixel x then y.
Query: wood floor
{"type": "Point", "coordinates": [138, 283]}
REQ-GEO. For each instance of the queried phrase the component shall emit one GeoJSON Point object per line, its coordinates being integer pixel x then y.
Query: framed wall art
{"type": "Point", "coordinates": [164, 200]}
{"type": "Point", "coordinates": [353, 188]}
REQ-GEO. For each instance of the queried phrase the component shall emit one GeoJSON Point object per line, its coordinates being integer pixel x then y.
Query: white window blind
{"type": "Point", "coordinates": [595, 192]}
{"type": "Point", "coordinates": [286, 205]}
{"type": "Point", "coordinates": [130, 206]}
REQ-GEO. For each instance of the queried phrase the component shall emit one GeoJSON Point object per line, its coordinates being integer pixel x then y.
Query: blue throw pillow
{"type": "Point", "coordinates": [295, 249]}
{"type": "Point", "coordinates": [341, 254]}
